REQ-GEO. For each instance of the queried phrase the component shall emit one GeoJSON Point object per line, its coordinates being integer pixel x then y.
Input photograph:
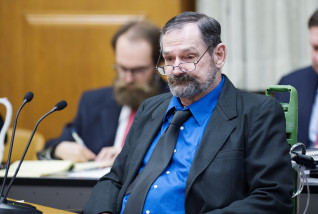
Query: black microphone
{"type": "Point", "coordinates": [12, 207]}
{"type": "Point", "coordinates": [60, 105]}
{"type": "Point", "coordinates": [27, 98]}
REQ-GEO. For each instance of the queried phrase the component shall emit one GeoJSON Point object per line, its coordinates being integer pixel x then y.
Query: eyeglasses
{"type": "Point", "coordinates": [183, 66]}
{"type": "Point", "coordinates": [136, 72]}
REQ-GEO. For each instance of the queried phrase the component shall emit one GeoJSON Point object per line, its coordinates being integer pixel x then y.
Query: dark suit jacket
{"type": "Point", "coordinates": [306, 82]}
{"type": "Point", "coordinates": [242, 164]}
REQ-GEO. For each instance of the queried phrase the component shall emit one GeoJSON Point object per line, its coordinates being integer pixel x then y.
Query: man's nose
{"type": "Point", "coordinates": [129, 76]}
{"type": "Point", "coordinates": [177, 70]}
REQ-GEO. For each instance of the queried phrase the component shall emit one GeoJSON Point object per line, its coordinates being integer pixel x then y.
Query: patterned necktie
{"type": "Point", "coordinates": [316, 142]}
{"type": "Point", "coordinates": [158, 161]}
{"type": "Point", "coordinates": [130, 121]}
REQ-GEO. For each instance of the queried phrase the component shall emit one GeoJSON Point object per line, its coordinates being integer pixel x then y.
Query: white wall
{"type": "Point", "coordinates": [265, 39]}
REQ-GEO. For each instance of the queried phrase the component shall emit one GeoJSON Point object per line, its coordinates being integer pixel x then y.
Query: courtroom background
{"type": "Point", "coordinates": [58, 49]}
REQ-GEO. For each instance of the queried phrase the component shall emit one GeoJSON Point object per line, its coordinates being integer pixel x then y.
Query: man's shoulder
{"type": "Point", "coordinates": [251, 101]}
{"type": "Point", "coordinates": [230, 95]}
{"type": "Point", "coordinates": [160, 97]}
{"type": "Point", "coordinates": [100, 97]}
{"type": "Point", "coordinates": [252, 96]}
{"type": "Point", "coordinates": [307, 69]}
{"type": "Point", "coordinates": [156, 104]}
{"type": "Point", "coordinates": [98, 91]}
{"type": "Point", "coordinates": [302, 73]}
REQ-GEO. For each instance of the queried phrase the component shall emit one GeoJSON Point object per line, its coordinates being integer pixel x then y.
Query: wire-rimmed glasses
{"type": "Point", "coordinates": [183, 66]}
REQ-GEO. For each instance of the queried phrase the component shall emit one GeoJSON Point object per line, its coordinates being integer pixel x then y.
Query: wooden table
{"type": "Point", "coordinates": [47, 210]}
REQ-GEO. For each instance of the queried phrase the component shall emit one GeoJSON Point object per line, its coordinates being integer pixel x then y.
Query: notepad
{"type": "Point", "coordinates": [30, 168]}
{"type": "Point", "coordinates": [91, 173]}
{"type": "Point", "coordinates": [89, 165]}
{"type": "Point", "coordinates": [39, 168]}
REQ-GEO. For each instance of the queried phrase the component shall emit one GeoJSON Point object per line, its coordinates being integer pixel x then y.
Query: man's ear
{"type": "Point", "coordinates": [219, 55]}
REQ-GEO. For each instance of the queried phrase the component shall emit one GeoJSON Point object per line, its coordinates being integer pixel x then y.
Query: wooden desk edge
{"type": "Point", "coordinates": [48, 210]}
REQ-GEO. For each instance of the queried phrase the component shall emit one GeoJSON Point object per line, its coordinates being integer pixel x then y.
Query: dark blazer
{"type": "Point", "coordinates": [242, 164]}
{"type": "Point", "coordinates": [305, 82]}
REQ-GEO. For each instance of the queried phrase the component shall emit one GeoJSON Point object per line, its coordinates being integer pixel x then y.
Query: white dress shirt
{"type": "Point", "coordinates": [122, 124]}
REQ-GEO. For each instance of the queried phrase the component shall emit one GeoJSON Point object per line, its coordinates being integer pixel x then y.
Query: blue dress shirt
{"type": "Point", "coordinates": [167, 193]}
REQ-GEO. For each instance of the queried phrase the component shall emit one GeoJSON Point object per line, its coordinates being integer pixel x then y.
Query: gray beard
{"type": "Point", "coordinates": [185, 85]}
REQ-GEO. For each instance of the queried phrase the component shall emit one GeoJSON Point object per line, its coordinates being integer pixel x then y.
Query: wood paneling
{"type": "Point", "coordinates": [58, 49]}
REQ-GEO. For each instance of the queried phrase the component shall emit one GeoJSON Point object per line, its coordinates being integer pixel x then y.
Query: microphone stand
{"type": "Point", "coordinates": [27, 98]}
{"type": "Point", "coordinates": [12, 207]}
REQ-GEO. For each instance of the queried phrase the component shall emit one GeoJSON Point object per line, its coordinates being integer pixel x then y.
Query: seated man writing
{"type": "Point", "coordinates": [104, 115]}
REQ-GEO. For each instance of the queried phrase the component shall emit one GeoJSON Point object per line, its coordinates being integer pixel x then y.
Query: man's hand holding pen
{"type": "Point", "coordinates": [78, 152]}
{"type": "Point", "coordinates": [68, 150]}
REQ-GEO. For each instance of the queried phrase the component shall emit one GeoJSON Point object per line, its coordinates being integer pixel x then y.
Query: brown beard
{"type": "Point", "coordinates": [135, 96]}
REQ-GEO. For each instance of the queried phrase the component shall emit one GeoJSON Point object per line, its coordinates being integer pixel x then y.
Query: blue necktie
{"type": "Point", "coordinates": [158, 161]}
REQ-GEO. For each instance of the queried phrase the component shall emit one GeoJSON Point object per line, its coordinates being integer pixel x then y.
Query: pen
{"type": "Point", "coordinates": [77, 138]}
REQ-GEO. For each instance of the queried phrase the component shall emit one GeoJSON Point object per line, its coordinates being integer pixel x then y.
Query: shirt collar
{"type": "Point", "coordinates": [200, 109]}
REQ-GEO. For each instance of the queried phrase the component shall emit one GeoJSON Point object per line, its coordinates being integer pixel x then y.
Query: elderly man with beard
{"type": "Point", "coordinates": [104, 115]}
{"type": "Point", "coordinates": [206, 147]}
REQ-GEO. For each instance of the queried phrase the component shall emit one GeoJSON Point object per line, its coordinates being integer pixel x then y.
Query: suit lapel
{"type": "Point", "coordinates": [217, 131]}
{"type": "Point", "coordinates": [145, 139]}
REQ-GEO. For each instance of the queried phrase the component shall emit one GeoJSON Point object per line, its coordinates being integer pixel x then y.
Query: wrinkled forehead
{"type": "Point", "coordinates": [187, 38]}
{"type": "Point", "coordinates": [180, 49]}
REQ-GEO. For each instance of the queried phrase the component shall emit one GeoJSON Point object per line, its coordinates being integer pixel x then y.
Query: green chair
{"type": "Point", "coordinates": [291, 115]}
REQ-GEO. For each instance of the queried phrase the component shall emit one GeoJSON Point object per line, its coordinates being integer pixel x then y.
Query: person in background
{"type": "Point", "coordinates": [229, 153]}
{"type": "Point", "coordinates": [105, 115]}
{"type": "Point", "coordinates": [305, 81]}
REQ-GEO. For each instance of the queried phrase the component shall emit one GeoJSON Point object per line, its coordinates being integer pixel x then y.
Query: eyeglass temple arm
{"type": "Point", "coordinates": [158, 60]}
